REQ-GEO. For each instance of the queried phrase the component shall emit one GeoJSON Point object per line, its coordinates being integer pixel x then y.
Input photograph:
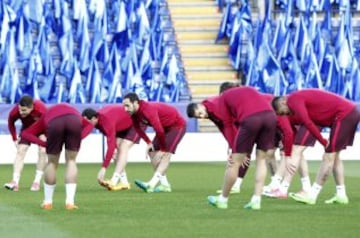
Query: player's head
{"type": "Point", "coordinates": [25, 105]}
{"type": "Point", "coordinates": [131, 103]}
{"type": "Point", "coordinates": [91, 115]}
{"type": "Point", "coordinates": [197, 110]}
{"type": "Point", "coordinates": [227, 85]}
{"type": "Point", "coordinates": [280, 105]}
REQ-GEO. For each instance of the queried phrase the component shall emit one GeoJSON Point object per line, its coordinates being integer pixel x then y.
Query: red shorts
{"type": "Point", "coordinates": [258, 129]}
{"type": "Point", "coordinates": [343, 132]}
{"type": "Point", "coordinates": [173, 137]}
{"type": "Point", "coordinates": [129, 134]}
{"type": "Point", "coordinates": [64, 130]}
{"type": "Point", "coordinates": [304, 137]}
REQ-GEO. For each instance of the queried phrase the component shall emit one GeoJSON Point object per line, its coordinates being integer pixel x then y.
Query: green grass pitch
{"type": "Point", "coordinates": [182, 213]}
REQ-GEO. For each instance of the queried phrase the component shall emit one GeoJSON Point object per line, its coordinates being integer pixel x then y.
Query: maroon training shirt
{"type": "Point", "coordinates": [112, 119]}
{"type": "Point", "coordinates": [317, 108]}
{"type": "Point", "coordinates": [159, 116]}
{"type": "Point", "coordinates": [238, 103]}
{"type": "Point", "coordinates": [14, 115]}
{"type": "Point", "coordinates": [39, 127]}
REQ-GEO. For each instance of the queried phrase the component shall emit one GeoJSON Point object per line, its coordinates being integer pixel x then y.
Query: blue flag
{"type": "Point", "coordinates": [76, 89]}
{"type": "Point", "coordinates": [94, 84]}
{"type": "Point", "coordinates": [225, 23]}
{"type": "Point", "coordinates": [35, 10]}
{"type": "Point", "coordinates": [355, 82]}
{"type": "Point", "coordinates": [10, 85]}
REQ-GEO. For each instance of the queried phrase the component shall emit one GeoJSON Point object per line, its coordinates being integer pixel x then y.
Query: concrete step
{"type": "Point", "coordinates": [187, 36]}
{"type": "Point", "coordinates": [204, 61]}
{"type": "Point", "coordinates": [212, 77]}
{"type": "Point", "coordinates": [187, 10]}
{"type": "Point", "coordinates": [205, 90]}
{"type": "Point", "coordinates": [197, 22]}
{"type": "Point", "coordinates": [188, 3]}
{"type": "Point", "coordinates": [202, 49]}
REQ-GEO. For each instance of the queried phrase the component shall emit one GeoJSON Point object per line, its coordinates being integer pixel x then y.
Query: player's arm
{"type": "Point", "coordinates": [13, 116]}
{"type": "Point", "coordinates": [153, 118]}
{"type": "Point", "coordinates": [299, 108]}
{"type": "Point", "coordinates": [33, 132]}
{"type": "Point", "coordinates": [110, 133]}
{"type": "Point", "coordinates": [287, 139]}
{"type": "Point", "coordinates": [86, 128]}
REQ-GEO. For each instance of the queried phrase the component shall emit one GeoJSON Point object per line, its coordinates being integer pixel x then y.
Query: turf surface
{"type": "Point", "coordinates": [182, 213]}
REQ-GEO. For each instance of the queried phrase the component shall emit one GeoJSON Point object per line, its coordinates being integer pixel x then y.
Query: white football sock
{"type": "Point", "coordinates": [341, 191]}
{"type": "Point", "coordinates": [70, 190]}
{"type": "Point", "coordinates": [237, 183]}
{"type": "Point", "coordinates": [284, 187]}
{"type": "Point", "coordinates": [155, 179]}
{"type": "Point", "coordinates": [314, 191]}
{"type": "Point", "coordinates": [115, 178]}
{"type": "Point", "coordinates": [38, 176]}
{"type": "Point", "coordinates": [255, 199]}
{"type": "Point", "coordinates": [123, 178]}
{"type": "Point", "coordinates": [164, 181]}
{"type": "Point", "coordinates": [16, 178]}
{"type": "Point", "coordinates": [306, 185]}
{"type": "Point", "coordinates": [222, 199]}
{"type": "Point", "coordinates": [48, 192]}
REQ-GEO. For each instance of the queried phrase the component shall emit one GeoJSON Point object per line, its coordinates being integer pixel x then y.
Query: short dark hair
{"type": "Point", "coordinates": [133, 97]}
{"type": "Point", "coordinates": [190, 110]}
{"type": "Point", "coordinates": [275, 102]}
{"type": "Point", "coordinates": [89, 113]}
{"type": "Point", "coordinates": [26, 101]}
{"type": "Point", "coordinates": [227, 85]}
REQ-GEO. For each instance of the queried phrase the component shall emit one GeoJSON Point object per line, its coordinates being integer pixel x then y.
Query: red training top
{"type": "Point", "coordinates": [158, 115]}
{"type": "Point", "coordinates": [317, 108]}
{"type": "Point", "coordinates": [112, 119]}
{"type": "Point", "coordinates": [14, 115]}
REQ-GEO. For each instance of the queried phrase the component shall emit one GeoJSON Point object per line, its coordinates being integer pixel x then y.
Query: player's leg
{"type": "Point", "coordinates": [71, 172]}
{"type": "Point", "coordinates": [341, 135]}
{"type": "Point", "coordinates": [72, 140]}
{"type": "Point", "coordinates": [50, 180]}
{"type": "Point", "coordinates": [231, 173]}
{"type": "Point", "coordinates": [18, 166]}
{"type": "Point", "coordinates": [241, 174]}
{"type": "Point", "coordinates": [40, 165]}
{"type": "Point", "coordinates": [160, 161]}
{"type": "Point", "coordinates": [119, 180]}
{"type": "Point", "coordinates": [339, 177]}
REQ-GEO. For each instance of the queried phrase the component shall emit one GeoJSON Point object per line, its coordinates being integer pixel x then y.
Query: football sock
{"type": "Point", "coordinates": [306, 185]}
{"type": "Point", "coordinates": [164, 181]}
{"type": "Point", "coordinates": [284, 187]}
{"type": "Point", "coordinates": [237, 183]}
{"type": "Point", "coordinates": [48, 192]}
{"type": "Point", "coordinates": [155, 179]}
{"type": "Point", "coordinates": [123, 177]}
{"type": "Point", "coordinates": [341, 191]}
{"type": "Point", "coordinates": [16, 178]}
{"type": "Point", "coordinates": [70, 189]}
{"type": "Point", "coordinates": [314, 191]}
{"type": "Point", "coordinates": [38, 176]}
{"type": "Point", "coordinates": [115, 178]}
{"type": "Point", "coordinates": [255, 199]}
{"type": "Point", "coordinates": [222, 199]}
{"type": "Point", "coordinates": [275, 181]}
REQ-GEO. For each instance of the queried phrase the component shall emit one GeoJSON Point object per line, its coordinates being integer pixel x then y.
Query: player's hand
{"type": "Point", "coordinates": [149, 149]}
{"type": "Point", "coordinates": [229, 151]}
{"type": "Point", "coordinates": [230, 159]}
{"type": "Point", "coordinates": [101, 175]}
{"type": "Point", "coordinates": [327, 143]}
